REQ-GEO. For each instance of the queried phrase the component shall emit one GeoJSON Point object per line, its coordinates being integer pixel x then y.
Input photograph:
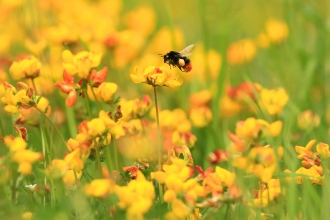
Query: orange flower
{"type": "Point", "coordinates": [241, 52]}
{"type": "Point", "coordinates": [69, 87]}
{"type": "Point", "coordinates": [98, 77]}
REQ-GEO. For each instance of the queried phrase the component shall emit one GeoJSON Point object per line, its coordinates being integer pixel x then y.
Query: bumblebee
{"type": "Point", "coordinates": [179, 59]}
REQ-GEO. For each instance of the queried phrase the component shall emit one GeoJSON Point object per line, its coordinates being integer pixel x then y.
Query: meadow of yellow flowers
{"type": "Point", "coordinates": [94, 124]}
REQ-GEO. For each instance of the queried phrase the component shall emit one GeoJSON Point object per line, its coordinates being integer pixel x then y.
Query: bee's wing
{"type": "Point", "coordinates": [187, 51]}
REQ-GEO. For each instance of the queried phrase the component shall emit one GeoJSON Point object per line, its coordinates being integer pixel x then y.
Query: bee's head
{"type": "Point", "coordinates": [166, 57]}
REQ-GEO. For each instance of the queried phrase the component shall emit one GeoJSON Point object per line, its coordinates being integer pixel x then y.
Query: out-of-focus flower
{"type": "Point", "coordinates": [312, 173]}
{"type": "Point", "coordinates": [57, 169]}
{"type": "Point", "coordinates": [307, 120]}
{"type": "Point", "coordinates": [175, 177]}
{"type": "Point", "coordinates": [241, 52]}
{"type": "Point", "coordinates": [262, 162]}
{"type": "Point", "coordinates": [5, 40]}
{"type": "Point", "coordinates": [35, 47]}
{"type": "Point", "coordinates": [135, 108]}
{"type": "Point", "coordinates": [200, 116]}
{"type": "Point", "coordinates": [229, 107]}
{"type": "Point", "coordinates": [276, 30]}
{"type": "Point", "coordinates": [203, 61]}
{"type": "Point", "coordinates": [162, 42]}
{"type": "Point", "coordinates": [267, 193]}
{"type": "Point", "coordinates": [141, 20]}
{"type": "Point", "coordinates": [104, 92]}
{"type": "Point", "coordinates": [306, 151]}
{"type": "Point", "coordinates": [27, 215]}
{"type": "Point", "coordinates": [99, 188]}
{"type": "Point", "coordinates": [274, 129]}
{"type": "Point", "coordinates": [60, 34]}
{"type": "Point", "coordinates": [323, 149]}
{"type": "Point", "coordinates": [27, 67]}
{"type": "Point", "coordinates": [200, 98]}
{"type": "Point", "coordinates": [273, 100]}
{"type": "Point", "coordinates": [136, 198]}
{"type": "Point", "coordinates": [71, 177]}
{"type": "Point", "coordinates": [263, 40]}
{"type": "Point", "coordinates": [25, 158]}
{"type": "Point", "coordinates": [243, 91]}
{"type": "Point", "coordinates": [218, 156]}
{"type": "Point", "coordinates": [248, 129]}
{"type": "Point", "coordinates": [81, 63]}
{"type": "Point", "coordinates": [156, 77]}
{"type": "Point", "coordinates": [74, 160]}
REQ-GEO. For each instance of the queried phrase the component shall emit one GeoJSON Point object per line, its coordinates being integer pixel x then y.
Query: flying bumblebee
{"type": "Point", "coordinates": [179, 59]}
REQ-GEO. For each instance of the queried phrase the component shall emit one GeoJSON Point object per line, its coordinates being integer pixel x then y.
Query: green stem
{"type": "Point", "coordinates": [159, 146]}
{"type": "Point", "coordinates": [53, 125]}
{"type": "Point", "coordinates": [98, 161]}
{"type": "Point", "coordinates": [87, 106]}
{"type": "Point", "coordinates": [97, 102]}
{"type": "Point", "coordinates": [108, 155]}
{"type": "Point", "coordinates": [75, 177]}
{"type": "Point", "coordinates": [45, 151]}
{"type": "Point", "coordinates": [34, 85]}
{"type": "Point", "coordinates": [115, 152]}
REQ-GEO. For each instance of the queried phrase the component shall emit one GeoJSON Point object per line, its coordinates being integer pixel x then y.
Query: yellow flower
{"type": "Point", "coordinates": [74, 160]}
{"type": "Point", "coordinates": [276, 30]}
{"type": "Point", "coordinates": [200, 116]}
{"type": "Point", "coordinates": [25, 158]}
{"type": "Point", "coordinates": [241, 52]}
{"type": "Point", "coordinates": [104, 92]}
{"type": "Point", "coordinates": [81, 63]}
{"type": "Point", "coordinates": [136, 197]}
{"type": "Point", "coordinates": [312, 173]}
{"type": "Point", "coordinates": [229, 107]}
{"type": "Point", "coordinates": [13, 99]}
{"type": "Point", "coordinates": [307, 120]}
{"type": "Point", "coordinates": [200, 98]}
{"type": "Point", "coordinates": [35, 47]}
{"type": "Point", "coordinates": [248, 129]}
{"type": "Point", "coordinates": [263, 40]}
{"type": "Point", "coordinates": [70, 177]}
{"type": "Point", "coordinates": [15, 144]}
{"type": "Point", "coordinates": [305, 151]}
{"type": "Point", "coordinates": [274, 100]}
{"type": "Point", "coordinates": [225, 176]}
{"type": "Point", "coordinates": [142, 20]}
{"type": "Point", "coordinates": [156, 77]}
{"type": "Point", "coordinates": [99, 188]}
{"type": "Point", "coordinates": [28, 67]}
{"type": "Point", "coordinates": [27, 215]}
{"type": "Point", "coordinates": [57, 169]}
{"type": "Point", "coordinates": [274, 129]}
{"type": "Point", "coordinates": [96, 127]}
{"type": "Point", "coordinates": [323, 149]}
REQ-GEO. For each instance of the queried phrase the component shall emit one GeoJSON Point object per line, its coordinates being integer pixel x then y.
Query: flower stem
{"type": "Point", "coordinates": [108, 155]}
{"type": "Point", "coordinates": [115, 153]}
{"type": "Point", "coordinates": [53, 125]}
{"type": "Point", "coordinates": [98, 161]}
{"type": "Point", "coordinates": [159, 150]}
